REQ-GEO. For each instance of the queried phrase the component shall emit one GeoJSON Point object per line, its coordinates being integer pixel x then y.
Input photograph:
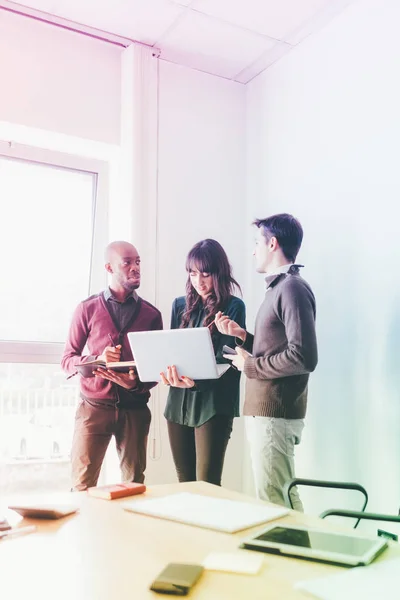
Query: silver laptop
{"type": "Point", "coordinates": [190, 350]}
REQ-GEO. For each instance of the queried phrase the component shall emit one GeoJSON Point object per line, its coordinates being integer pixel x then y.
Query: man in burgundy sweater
{"type": "Point", "coordinates": [278, 359]}
{"type": "Point", "coordinates": [112, 403]}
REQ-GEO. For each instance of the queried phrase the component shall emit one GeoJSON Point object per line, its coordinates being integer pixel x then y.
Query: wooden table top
{"type": "Point", "coordinates": [106, 553]}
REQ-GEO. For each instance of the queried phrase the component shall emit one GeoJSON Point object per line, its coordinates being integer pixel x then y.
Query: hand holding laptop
{"type": "Point", "coordinates": [171, 377]}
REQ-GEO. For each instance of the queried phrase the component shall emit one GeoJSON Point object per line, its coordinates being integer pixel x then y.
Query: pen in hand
{"type": "Point", "coordinates": [73, 375]}
{"type": "Point", "coordinates": [112, 344]}
{"type": "Point", "coordinates": [117, 347]}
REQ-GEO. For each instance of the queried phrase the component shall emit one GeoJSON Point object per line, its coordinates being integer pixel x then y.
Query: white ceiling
{"type": "Point", "coordinates": [235, 39]}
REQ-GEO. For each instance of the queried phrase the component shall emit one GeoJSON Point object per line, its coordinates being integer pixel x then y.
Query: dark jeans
{"type": "Point", "coordinates": [95, 424]}
{"type": "Point", "coordinates": [199, 452]}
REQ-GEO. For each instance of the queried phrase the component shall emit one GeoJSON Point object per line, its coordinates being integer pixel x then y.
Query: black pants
{"type": "Point", "coordinates": [199, 452]}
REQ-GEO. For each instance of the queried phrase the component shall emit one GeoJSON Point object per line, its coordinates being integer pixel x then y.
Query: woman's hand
{"type": "Point", "coordinates": [171, 377]}
{"type": "Point", "coordinates": [226, 326]}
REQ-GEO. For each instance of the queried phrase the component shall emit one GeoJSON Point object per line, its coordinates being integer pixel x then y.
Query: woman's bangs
{"type": "Point", "coordinates": [198, 261]}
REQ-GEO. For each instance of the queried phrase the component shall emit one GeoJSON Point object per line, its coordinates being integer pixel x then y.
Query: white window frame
{"type": "Point", "coordinates": [47, 352]}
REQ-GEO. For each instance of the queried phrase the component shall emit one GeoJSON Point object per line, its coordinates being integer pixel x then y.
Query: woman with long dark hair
{"type": "Point", "coordinates": [200, 414]}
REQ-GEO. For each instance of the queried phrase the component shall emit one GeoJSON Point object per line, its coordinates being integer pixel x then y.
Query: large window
{"type": "Point", "coordinates": [46, 245]}
{"type": "Point", "coordinates": [37, 406]}
{"type": "Point", "coordinates": [52, 236]}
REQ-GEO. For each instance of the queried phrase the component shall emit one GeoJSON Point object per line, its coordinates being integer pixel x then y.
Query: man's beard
{"type": "Point", "coordinates": [130, 286]}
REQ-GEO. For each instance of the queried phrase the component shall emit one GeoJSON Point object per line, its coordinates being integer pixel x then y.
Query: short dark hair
{"type": "Point", "coordinates": [286, 229]}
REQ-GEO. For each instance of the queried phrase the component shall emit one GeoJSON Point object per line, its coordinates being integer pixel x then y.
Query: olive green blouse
{"type": "Point", "coordinates": [195, 406]}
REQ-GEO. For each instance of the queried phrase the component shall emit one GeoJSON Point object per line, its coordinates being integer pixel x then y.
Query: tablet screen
{"type": "Point", "coordinates": [318, 540]}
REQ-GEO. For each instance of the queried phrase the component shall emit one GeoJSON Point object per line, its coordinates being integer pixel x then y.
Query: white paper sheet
{"type": "Point", "coordinates": [368, 583]}
{"type": "Point", "coordinates": [234, 562]}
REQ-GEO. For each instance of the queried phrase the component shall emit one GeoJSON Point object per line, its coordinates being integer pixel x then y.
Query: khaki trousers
{"type": "Point", "coordinates": [272, 442]}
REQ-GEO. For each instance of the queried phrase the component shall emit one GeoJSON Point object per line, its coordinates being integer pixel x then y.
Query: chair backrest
{"type": "Point", "coordinates": [354, 514]}
{"type": "Point", "coordinates": [341, 485]}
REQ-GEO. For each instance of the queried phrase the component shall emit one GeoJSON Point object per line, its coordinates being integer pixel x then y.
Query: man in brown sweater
{"type": "Point", "coordinates": [277, 360]}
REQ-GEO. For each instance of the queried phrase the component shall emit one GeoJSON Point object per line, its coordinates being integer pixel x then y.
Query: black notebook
{"type": "Point", "coordinates": [88, 369]}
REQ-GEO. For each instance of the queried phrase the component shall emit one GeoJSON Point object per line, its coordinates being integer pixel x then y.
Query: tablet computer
{"type": "Point", "coordinates": [315, 544]}
{"type": "Point", "coordinates": [190, 350]}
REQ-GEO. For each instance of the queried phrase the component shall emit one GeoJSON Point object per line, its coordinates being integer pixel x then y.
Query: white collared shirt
{"type": "Point", "coordinates": [279, 270]}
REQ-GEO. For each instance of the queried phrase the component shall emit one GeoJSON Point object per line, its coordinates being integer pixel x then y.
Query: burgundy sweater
{"type": "Point", "coordinates": [91, 326]}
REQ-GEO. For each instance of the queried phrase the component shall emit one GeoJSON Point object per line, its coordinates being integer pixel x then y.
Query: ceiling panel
{"type": "Point", "coordinates": [232, 38]}
{"type": "Point", "coordinates": [212, 46]}
{"type": "Point", "coordinates": [321, 19]}
{"type": "Point", "coordinates": [275, 18]}
{"type": "Point", "coordinates": [262, 63]}
{"type": "Point", "coordinates": [183, 2]}
{"type": "Point", "coordinates": [45, 5]}
{"type": "Point", "coordinates": [141, 20]}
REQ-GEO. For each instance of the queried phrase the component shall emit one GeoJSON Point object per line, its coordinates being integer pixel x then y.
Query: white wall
{"type": "Point", "coordinates": [201, 171]}
{"type": "Point", "coordinates": [60, 81]}
{"type": "Point", "coordinates": [201, 194]}
{"type": "Point", "coordinates": [323, 143]}
{"type": "Point", "coordinates": [66, 88]}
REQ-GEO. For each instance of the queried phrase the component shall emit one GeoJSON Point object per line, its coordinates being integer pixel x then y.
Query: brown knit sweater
{"type": "Point", "coordinates": [284, 349]}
